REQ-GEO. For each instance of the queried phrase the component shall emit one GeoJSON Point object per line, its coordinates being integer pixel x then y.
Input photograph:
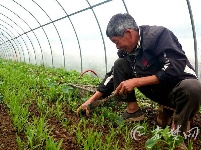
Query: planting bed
{"type": "Point", "coordinates": [37, 111]}
{"type": "Point", "coordinates": [8, 134]}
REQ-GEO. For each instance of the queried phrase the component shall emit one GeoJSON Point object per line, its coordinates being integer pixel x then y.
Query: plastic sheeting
{"type": "Point", "coordinates": [71, 34]}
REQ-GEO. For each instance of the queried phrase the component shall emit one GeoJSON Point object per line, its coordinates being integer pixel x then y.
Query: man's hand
{"type": "Point", "coordinates": [126, 87]}
{"type": "Point", "coordinates": [83, 108]}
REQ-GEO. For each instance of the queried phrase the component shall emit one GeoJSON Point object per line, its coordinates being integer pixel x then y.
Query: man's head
{"type": "Point", "coordinates": [123, 31]}
{"type": "Point", "coordinates": [119, 23]}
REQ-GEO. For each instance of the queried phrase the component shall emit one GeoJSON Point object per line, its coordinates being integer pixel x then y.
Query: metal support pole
{"type": "Point", "coordinates": [194, 36]}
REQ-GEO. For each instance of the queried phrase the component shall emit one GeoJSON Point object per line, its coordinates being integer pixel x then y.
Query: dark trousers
{"type": "Point", "coordinates": [184, 97]}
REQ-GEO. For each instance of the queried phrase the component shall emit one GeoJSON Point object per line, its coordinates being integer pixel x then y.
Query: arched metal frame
{"type": "Point", "coordinates": [18, 45]}
{"type": "Point", "coordinates": [125, 6]}
{"type": "Point", "coordinates": [78, 41]}
{"type": "Point", "coordinates": [24, 33]}
{"type": "Point", "coordinates": [194, 36]}
{"type": "Point", "coordinates": [55, 29]}
{"type": "Point", "coordinates": [32, 30]}
{"type": "Point", "coordinates": [9, 43]}
{"type": "Point", "coordinates": [52, 22]}
{"type": "Point", "coordinates": [101, 35]}
{"type": "Point", "coordinates": [2, 48]}
{"type": "Point", "coordinates": [15, 37]}
{"type": "Point", "coordinates": [4, 31]}
{"type": "Point", "coordinates": [4, 51]}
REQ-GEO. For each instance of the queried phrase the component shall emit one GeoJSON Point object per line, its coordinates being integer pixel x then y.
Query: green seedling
{"type": "Point", "coordinates": [59, 112]}
{"type": "Point", "coordinates": [65, 122]}
{"type": "Point", "coordinates": [38, 133]}
{"type": "Point", "coordinates": [163, 138]}
{"type": "Point", "coordinates": [50, 144]}
{"type": "Point", "coordinates": [42, 105]}
{"type": "Point", "coordinates": [19, 143]}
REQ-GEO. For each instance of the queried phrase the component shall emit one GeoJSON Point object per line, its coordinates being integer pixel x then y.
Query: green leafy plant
{"type": "Point", "coordinates": [59, 114]}
{"type": "Point", "coordinates": [42, 104]}
{"type": "Point", "coordinates": [38, 135]}
{"type": "Point", "coordinates": [19, 143]}
{"type": "Point", "coordinates": [52, 145]}
{"type": "Point", "coordinates": [163, 139]}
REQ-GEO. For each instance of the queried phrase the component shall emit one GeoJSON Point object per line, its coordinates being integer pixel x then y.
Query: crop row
{"type": "Point", "coordinates": [36, 95]}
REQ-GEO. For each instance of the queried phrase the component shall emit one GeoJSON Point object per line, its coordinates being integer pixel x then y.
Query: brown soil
{"type": "Point", "coordinates": [8, 133]}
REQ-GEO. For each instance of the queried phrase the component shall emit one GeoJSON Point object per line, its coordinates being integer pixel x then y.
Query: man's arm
{"type": "Point", "coordinates": [96, 96]}
{"type": "Point", "coordinates": [128, 85]}
{"type": "Point", "coordinates": [107, 85]}
{"type": "Point", "coordinates": [105, 88]}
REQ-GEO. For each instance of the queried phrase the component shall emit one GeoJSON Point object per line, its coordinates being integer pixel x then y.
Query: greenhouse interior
{"type": "Point", "coordinates": [53, 56]}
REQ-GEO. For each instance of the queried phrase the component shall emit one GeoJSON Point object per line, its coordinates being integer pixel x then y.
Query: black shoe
{"type": "Point", "coordinates": [136, 116]}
